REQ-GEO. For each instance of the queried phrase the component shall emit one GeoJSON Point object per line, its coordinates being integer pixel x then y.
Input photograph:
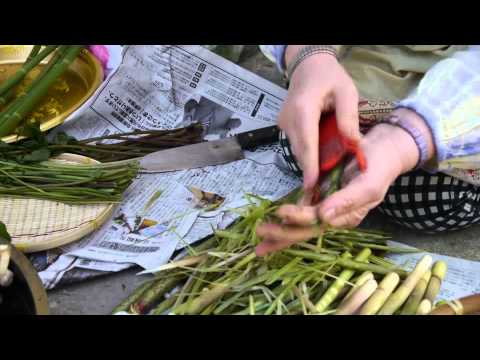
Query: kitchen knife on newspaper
{"type": "Point", "coordinates": [208, 153]}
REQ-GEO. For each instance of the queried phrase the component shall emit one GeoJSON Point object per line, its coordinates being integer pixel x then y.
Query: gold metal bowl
{"type": "Point", "coordinates": [85, 75]}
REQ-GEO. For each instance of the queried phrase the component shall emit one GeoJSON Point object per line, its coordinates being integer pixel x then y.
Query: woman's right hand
{"type": "Point", "coordinates": [319, 84]}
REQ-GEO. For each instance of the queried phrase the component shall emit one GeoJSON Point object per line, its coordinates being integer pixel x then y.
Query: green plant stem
{"type": "Point", "coordinates": [24, 70]}
{"type": "Point", "coordinates": [23, 105]}
{"type": "Point", "coordinates": [132, 298]}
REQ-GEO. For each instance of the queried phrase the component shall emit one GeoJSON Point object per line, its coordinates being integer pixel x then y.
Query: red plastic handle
{"type": "Point", "coordinates": [333, 147]}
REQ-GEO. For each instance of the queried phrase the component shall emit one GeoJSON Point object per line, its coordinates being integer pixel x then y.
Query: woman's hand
{"type": "Point", "coordinates": [390, 151]}
{"type": "Point", "coordinates": [319, 84]}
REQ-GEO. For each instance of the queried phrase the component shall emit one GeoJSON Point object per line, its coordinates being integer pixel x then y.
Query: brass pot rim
{"type": "Point", "coordinates": [35, 286]}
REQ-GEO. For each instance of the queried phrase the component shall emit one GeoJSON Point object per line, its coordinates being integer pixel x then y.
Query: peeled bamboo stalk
{"type": "Point", "coordinates": [381, 294]}
{"type": "Point", "coordinates": [332, 292]}
{"type": "Point", "coordinates": [396, 300]}
{"type": "Point", "coordinates": [424, 308]}
{"type": "Point", "coordinates": [362, 279]}
{"type": "Point", "coordinates": [439, 271]}
{"type": "Point", "coordinates": [414, 300]}
{"type": "Point", "coordinates": [352, 304]}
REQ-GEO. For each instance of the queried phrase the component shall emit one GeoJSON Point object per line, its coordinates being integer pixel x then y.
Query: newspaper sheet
{"type": "Point", "coordinates": [166, 87]}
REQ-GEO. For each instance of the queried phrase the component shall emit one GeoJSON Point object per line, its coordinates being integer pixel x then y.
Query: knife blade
{"type": "Point", "coordinates": [208, 153]}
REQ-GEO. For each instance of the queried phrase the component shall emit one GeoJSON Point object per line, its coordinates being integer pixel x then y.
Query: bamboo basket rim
{"type": "Point", "coordinates": [81, 221]}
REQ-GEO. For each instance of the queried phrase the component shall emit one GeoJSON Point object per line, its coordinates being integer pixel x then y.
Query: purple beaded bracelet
{"type": "Point", "coordinates": [414, 133]}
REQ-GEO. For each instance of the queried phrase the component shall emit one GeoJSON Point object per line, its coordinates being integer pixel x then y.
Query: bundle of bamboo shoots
{"type": "Point", "coordinates": [347, 274]}
{"type": "Point", "coordinates": [337, 272]}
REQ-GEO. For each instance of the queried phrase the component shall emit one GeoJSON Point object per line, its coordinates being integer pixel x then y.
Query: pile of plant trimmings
{"type": "Point", "coordinates": [338, 272]}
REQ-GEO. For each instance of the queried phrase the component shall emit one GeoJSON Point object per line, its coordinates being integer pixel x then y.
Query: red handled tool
{"type": "Point", "coordinates": [333, 148]}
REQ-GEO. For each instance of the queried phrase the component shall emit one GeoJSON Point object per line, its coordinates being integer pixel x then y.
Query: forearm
{"type": "Point", "coordinates": [400, 144]}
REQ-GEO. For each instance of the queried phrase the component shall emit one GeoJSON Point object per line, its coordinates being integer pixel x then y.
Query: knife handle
{"type": "Point", "coordinates": [264, 136]}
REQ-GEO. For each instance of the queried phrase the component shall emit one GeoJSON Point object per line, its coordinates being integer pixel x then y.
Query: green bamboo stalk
{"type": "Point", "coordinates": [204, 300]}
{"type": "Point", "coordinates": [34, 52]}
{"type": "Point", "coordinates": [227, 303]}
{"type": "Point", "coordinates": [154, 293]}
{"type": "Point", "coordinates": [132, 298]}
{"type": "Point", "coordinates": [284, 292]}
{"type": "Point", "coordinates": [20, 74]}
{"type": "Point", "coordinates": [10, 93]}
{"type": "Point", "coordinates": [334, 178]}
{"type": "Point", "coordinates": [22, 106]}
{"type": "Point", "coordinates": [346, 263]}
{"type": "Point", "coordinates": [163, 306]}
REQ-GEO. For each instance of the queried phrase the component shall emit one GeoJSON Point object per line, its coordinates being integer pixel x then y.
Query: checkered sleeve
{"type": "Point", "coordinates": [448, 98]}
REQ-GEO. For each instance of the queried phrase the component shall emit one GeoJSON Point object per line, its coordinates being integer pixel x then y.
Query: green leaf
{"type": "Point", "coordinates": [4, 145]}
{"type": "Point", "coordinates": [63, 139]}
{"type": "Point", "coordinates": [39, 155]}
{"type": "Point", "coordinates": [5, 237]}
{"type": "Point", "coordinates": [33, 132]}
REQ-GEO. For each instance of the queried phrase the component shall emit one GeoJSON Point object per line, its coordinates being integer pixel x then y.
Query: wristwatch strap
{"type": "Point", "coordinates": [306, 52]}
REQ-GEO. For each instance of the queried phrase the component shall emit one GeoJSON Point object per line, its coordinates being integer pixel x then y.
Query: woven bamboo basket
{"type": "Point", "coordinates": [37, 225]}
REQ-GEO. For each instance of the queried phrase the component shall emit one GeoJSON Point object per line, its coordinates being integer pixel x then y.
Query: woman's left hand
{"type": "Point", "coordinates": [389, 150]}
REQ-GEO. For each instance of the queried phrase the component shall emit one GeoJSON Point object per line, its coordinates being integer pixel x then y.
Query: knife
{"type": "Point", "coordinates": [208, 153]}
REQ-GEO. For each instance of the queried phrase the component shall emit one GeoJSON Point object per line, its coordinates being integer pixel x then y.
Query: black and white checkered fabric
{"type": "Point", "coordinates": [288, 155]}
{"type": "Point", "coordinates": [432, 203]}
{"type": "Point", "coordinates": [421, 201]}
